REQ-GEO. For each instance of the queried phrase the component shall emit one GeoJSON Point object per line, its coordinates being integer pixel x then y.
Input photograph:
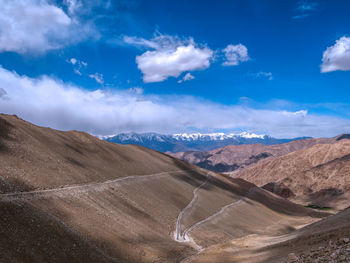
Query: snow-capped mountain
{"type": "Point", "coordinates": [191, 141]}
{"type": "Point", "coordinates": [214, 136]}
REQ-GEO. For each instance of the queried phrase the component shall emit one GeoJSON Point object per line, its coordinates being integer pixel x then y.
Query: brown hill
{"type": "Point", "coordinates": [318, 175]}
{"type": "Point", "coordinates": [327, 240]}
{"type": "Point", "coordinates": [69, 197]}
{"type": "Point", "coordinates": [237, 157]}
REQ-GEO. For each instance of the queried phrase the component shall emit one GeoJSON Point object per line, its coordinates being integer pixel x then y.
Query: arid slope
{"type": "Point", "coordinates": [69, 197]}
{"type": "Point", "coordinates": [319, 174]}
{"type": "Point", "coordinates": [327, 240]}
{"type": "Point", "coordinates": [237, 157]}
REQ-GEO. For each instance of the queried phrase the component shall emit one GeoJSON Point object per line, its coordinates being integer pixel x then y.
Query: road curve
{"type": "Point", "coordinates": [189, 229]}
{"type": "Point", "coordinates": [179, 218]}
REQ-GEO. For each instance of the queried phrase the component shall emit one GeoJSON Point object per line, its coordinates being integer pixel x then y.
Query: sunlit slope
{"type": "Point", "coordinates": [319, 174]}
{"type": "Point", "coordinates": [34, 157]}
{"type": "Point", "coordinates": [120, 203]}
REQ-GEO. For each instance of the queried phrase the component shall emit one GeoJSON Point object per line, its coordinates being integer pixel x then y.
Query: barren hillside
{"type": "Point", "coordinates": [317, 175]}
{"type": "Point", "coordinates": [69, 197]}
{"type": "Point", "coordinates": [236, 157]}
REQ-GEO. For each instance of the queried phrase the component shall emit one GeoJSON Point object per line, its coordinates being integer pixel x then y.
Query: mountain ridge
{"type": "Point", "coordinates": [179, 142]}
{"type": "Point", "coordinates": [236, 157]}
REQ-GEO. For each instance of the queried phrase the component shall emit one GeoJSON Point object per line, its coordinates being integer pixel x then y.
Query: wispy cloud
{"type": "Point", "coordinates": [187, 77]}
{"type": "Point", "coordinates": [304, 9]}
{"type": "Point", "coordinates": [78, 65]}
{"type": "Point", "coordinates": [98, 77]}
{"type": "Point", "coordinates": [50, 102]}
{"type": "Point", "coordinates": [304, 6]}
{"type": "Point", "coordinates": [262, 74]}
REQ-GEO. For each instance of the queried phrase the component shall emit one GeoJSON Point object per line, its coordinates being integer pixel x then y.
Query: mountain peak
{"type": "Point", "coordinates": [214, 136]}
{"type": "Point", "coordinates": [180, 142]}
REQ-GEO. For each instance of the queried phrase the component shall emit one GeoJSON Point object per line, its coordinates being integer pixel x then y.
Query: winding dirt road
{"type": "Point", "coordinates": [79, 188]}
{"type": "Point", "coordinates": [179, 218]}
{"type": "Point", "coordinates": [184, 237]}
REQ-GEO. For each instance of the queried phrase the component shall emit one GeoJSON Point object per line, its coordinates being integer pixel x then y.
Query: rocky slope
{"type": "Point", "coordinates": [324, 241]}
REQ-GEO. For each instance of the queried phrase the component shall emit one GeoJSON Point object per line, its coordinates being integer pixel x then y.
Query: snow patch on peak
{"type": "Point", "coordinates": [215, 136]}
{"type": "Point", "coordinates": [251, 135]}
{"type": "Point", "coordinates": [196, 136]}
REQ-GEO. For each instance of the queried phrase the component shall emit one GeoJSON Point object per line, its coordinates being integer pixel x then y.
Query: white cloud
{"type": "Point", "coordinates": [141, 42]}
{"type": "Point", "coordinates": [49, 102]}
{"type": "Point", "coordinates": [169, 57]}
{"type": "Point", "coordinates": [263, 74]}
{"type": "Point", "coordinates": [235, 54]}
{"type": "Point", "coordinates": [37, 26]}
{"type": "Point", "coordinates": [77, 64]}
{"type": "Point", "coordinates": [73, 61]}
{"type": "Point", "coordinates": [160, 64]}
{"type": "Point", "coordinates": [187, 77]}
{"type": "Point", "coordinates": [98, 77]}
{"type": "Point", "coordinates": [337, 57]}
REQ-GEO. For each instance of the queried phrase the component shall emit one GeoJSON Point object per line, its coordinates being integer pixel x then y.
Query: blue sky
{"type": "Point", "coordinates": [276, 67]}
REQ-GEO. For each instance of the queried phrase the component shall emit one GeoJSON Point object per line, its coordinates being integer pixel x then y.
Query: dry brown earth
{"type": "Point", "coordinates": [69, 197]}
{"type": "Point", "coordinates": [317, 175]}
{"type": "Point", "coordinates": [236, 157]}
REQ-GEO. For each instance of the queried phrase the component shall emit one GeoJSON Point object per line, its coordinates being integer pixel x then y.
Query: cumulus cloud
{"type": "Point", "coordinates": [235, 54]}
{"type": "Point", "coordinates": [98, 77]}
{"type": "Point", "coordinates": [38, 26]}
{"type": "Point", "coordinates": [187, 77]}
{"type": "Point", "coordinates": [50, 102]}
{"type": "Point", "coordinates": [169, 56]}
{"type": "Point", "coordinates": [337, 57]}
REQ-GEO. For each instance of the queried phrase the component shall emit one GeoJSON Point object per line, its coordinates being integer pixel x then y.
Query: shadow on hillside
{"type": "Point", "coordinates": [11, 185]}
{"type": "Point", "coordinates": [32, 234]}
{"type": "Point", "coordinates": [37, 230]}
{"type": "Point", "coordinates": [5, 128]}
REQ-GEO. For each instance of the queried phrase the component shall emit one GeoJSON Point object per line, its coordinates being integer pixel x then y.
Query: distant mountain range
{"type": "Point", "coordinates": [192, 141]}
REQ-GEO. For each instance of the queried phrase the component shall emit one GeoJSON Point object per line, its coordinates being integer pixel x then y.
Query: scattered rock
{"type": "Point", "coordinates": [292, 258]}
{"type": "Point", "coordinates": [279, 189]}
{"type": "Point", "coordinates": [334, 251]}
